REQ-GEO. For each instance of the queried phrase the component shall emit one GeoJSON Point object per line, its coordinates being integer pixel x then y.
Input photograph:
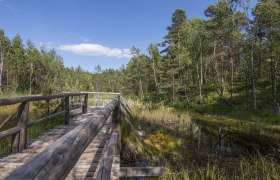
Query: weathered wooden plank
{"type": "Point", "coordinates": [105, 93]}
{"type": "Point", "coordinates": [141, 171]}
{"type": "Point", "coordinates": [104, 172]}
{"type": "Point", "coordinates": [9, 132]}
{"type": "Point", "coordinates": [47, 118]}
{"type": "Point", "coordinates": [57, 160]}
{"type": "Point", "coordinates": [10, 101]}
{"type": "Point", "coordinates": [19, 139]}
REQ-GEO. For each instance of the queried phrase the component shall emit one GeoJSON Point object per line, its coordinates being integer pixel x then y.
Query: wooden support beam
{"type": "Point", "coordinates": [125, 102]}
{"type": "Point", "coordinates": [67, 110]}
{"type": "Point", "coordinates": [9, 132]}
{"type": "Point", "coordinates": [47, 118]}
{"type": "Point", "coordinates": [127, 109]}
{"type": "Point", "coordinates": [85, 106]}
{"type": "Point", "coordinates": [19, 139]}
{"type": "Point", "coordinates": [134, 130]}
{"type": "Point", "coordinates": [141, 172]}
{"type": "Point", "coordinates": [10, 101]}
{"type": "Point", "coordinates": [116, 117]}
{"type": "Point", "coordinates": [104, 172]}
{"type": "Point", "coordinates": [56, 161]}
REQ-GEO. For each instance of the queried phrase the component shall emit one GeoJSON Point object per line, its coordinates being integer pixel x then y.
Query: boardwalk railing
{"type": "Point", "coordinates": [19, 133]}
{"type": "Point", "coordinates": [56, 161]}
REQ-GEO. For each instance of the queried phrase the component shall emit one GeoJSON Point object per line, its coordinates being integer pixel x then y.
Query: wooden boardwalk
{"type": "Point", "coordinates": [88, 164]}
{"type": "Point", "coordinates": [87, 146]}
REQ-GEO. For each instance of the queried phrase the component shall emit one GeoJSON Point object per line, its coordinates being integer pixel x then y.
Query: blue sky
{"type": "Point", "coordinates": [92, 32]}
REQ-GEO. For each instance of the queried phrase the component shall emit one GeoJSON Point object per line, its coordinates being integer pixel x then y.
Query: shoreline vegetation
{"type": "Point", "coordinates": [190, 149]}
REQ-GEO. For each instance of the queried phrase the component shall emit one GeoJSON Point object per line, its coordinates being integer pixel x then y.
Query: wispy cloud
{"type": "Point", "coordinates": [95, 50]}
{"type": "Point", "coordinates": [81, 37]}
{"type": "Point", "coordinates": [10, 7]}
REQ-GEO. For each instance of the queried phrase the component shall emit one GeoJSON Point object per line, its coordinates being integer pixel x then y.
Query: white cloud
{"type": "Point", "coordinates": [95, 50]}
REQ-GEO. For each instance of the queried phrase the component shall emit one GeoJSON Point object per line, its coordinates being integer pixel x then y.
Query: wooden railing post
{"type": "Point", "coordinates": [62, 104]}
{"type": "Point", "coordinates": [19, 139]}
{"type": "Point", "coordinates": [85, 106]}
{"type": "Point", "coordinates": [66, 106]}
{"type": "Point", "coordinates": [97, 100]}
{"type": "Point", "coordinates": [116, 124]}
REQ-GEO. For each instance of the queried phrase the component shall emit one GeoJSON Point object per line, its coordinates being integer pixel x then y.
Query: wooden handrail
{"type": "Point", "coordinates": [66, 151]}
{"type": "Point", "coordinates": [19, 137]}
{"type": "Point", "coordinates": [10, 101]}
{"type": "Point", "coordinates": [9, 132]}
{"type": "Point", "coordinates": [46, 118]}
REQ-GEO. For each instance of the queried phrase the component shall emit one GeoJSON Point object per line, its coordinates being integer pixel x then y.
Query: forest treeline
{"type": "Point", "coordinates": [233, 52]}
{"type": "Point", "coordinates": [26, 69]}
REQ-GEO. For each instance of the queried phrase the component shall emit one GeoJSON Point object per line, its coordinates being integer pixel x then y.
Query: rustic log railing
{"type": "Point", "coordinates": [19, 133]}
{"type": "Point", "coordinates": [56, 161]}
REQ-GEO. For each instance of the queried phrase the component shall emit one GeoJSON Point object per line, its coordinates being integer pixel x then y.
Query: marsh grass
{"type": "Point", "coordinates": [173, 138]}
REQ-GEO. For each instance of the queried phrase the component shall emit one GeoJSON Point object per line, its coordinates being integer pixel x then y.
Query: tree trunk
{"type": "Point", "coordinates": [30, 78]}
{"type": "Point", "coordinates": [273, 75]}
{"type": "Point", "coordinates": [1, 69]}
{"type": "Point", "coordinates": [214, 58]}
{"type": "Point", "coordinates": [155, 79]}
{"type": "Point", "coordinates": [222, 70]}
{"type": "Point", "coordinates": [200, 79]}
{"type": "Point", "coordinates": [232, 73]}
{"type": "Point", "coordinates": [173, 87]}
{"type": "Point", "coordinates": [141, 89]}
{"type": "Point", "coordinates": [253, 78]}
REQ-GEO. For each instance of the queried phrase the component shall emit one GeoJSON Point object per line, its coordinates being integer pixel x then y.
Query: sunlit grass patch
{"type": "Point", "coordinates": [162, 143]}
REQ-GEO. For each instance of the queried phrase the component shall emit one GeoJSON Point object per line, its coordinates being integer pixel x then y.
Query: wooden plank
{"type": "Point", "coordinates": [47, 118]}
{"type": "Point", "coordinates": [57, 160]}
{"type": "Point", "coordinates": [10, 101]}
{"type": "Point", "coordinates": [141, 171]}
{"type": "Point", "coordinates": [19, 140]}
{"type": "Point", "coordinates": [9, 132]}
{"type": "Point", "coordinates": [104, 172]}
{"type": "Point", "coordinates": [106, 93]}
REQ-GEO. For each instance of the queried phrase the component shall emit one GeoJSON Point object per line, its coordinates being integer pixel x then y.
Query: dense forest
{"type": "Point", "coordinates": [232, 57]}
